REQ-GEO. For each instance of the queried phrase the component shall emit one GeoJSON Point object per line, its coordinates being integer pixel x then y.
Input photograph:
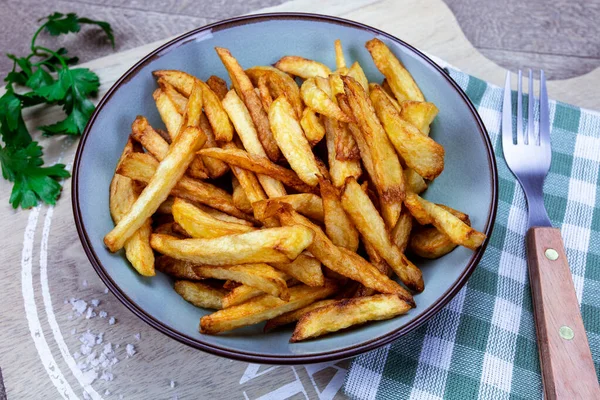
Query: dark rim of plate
{"type": "Point", "coordinates": [285, 359]}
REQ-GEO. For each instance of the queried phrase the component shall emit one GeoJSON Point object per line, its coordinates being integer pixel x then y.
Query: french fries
{"type": "Point", "coordinates": [306, 204]}
{"type": "Point", "coordinates": [345, 313]}
{"type": "Point", "coordinates": [122, 196]}
{"type": "Point", "coordinates": [312, 126]}
{"type": "Point", "coordinates": [320, 101]}
{"type": "Point", "coordinates": [295, 315]}
{"type": "Point", "coordinates": [305, 269]}
{"type": "Point", "coordinates": [419, 113]}
{"type": "Point", "coordinates": [239, 295]}
{"type": "Point", "coordinates": [338, 168]}
{"type": "Point", "coordinates": [459, 232]}
{"type": "Point", "coordinates": [387, 171]}
{"type": "Point", "coordinates": [200, 294]}
{"type": "Point", "coordinates": [259, 165]}
{"type": "Point", "coordinates": [210, 197]}
{"type": "Point", "coordinates": [177, 268]}
{"type": "Point", "coordinates": [401, 82]}
{"type": "Point", "coordinates": [302, 67]}
{"type": "Point", "coordinates": [262, 246]}
{"type": "Point", "coordinates": [292, 142]}
{"type": "Point", "coordinates": [340, 260]}
{"type": "Point", "coordinates": [169, 171]}
{"type": "Point", "coordinates": [279, 83]}
{"type": "Point", "coordinates": [263, 307]}
{"type": "Point", "coordinates": [370, 224]}
{"type": "Point", "coordinates": [201, 225]}
{"type": "Point", "coordinates": [259, 276]}
{"type": "Point", "coordinates": [240, 200]}
{"type": "Point", "coordinates": [142, 167]}
{"type": "Point", "coordinates": [418, 151]}
{"type": "Point", "coordinates": [337, 224]}
{"type": "Point", "coordinates": [244, 88]}
{"type": "Point", "coordinates": [184, 83]}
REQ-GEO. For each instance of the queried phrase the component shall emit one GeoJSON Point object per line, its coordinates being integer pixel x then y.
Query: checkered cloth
{"type": "Point", "coordinates": [483, 343]}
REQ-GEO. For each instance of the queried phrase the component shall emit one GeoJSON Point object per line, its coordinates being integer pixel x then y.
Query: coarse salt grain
{"type": "Point", "coordinates": [107, 392]}
{"type": "Point", "coordinates": [89, 377]}
{"type": "Point", "coordinates": [112, 321]}
{"type": "Point", "coordinates": [102, 314]}
{"type": "Point", "coordinates": [84, 283]}
{"type": "Point", "coordinates": [86, 396]}
{"type": "Point", "coordinates": [137, 336]}
{"type": "Point", "coordinates": [172, 384]}
{"type": "Point", "coordinates": [130, 349]}
{"type": "Point", "coordinates": [105, 290]}
{"type": "Point", "coordinates": [79, 306]}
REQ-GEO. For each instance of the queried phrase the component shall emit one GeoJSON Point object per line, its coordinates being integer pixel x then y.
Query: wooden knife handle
{"type": "Point", "coordinates": [565, 358]}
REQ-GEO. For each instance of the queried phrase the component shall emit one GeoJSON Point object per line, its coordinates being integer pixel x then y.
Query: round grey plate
{"type": "Point", "coordinates": [468, 183]}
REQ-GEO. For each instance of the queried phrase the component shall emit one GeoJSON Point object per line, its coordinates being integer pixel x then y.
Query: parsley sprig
{"type": "Point", "coordinates": [44, 76]}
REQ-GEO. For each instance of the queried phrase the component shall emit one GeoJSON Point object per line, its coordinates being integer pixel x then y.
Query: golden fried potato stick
{"type": "Point", "coordinates": [340, 61]}
{"type": "Point", "coordinates": [419, 113]}
{"type": "Point", "coordinates": [414, 182]}
{"type": "Point", "coordinates": [217, 85]}
{"type": "Point", "coordinates": [179, 101]}
{"type": "Point", "coordinates": [305, 269]}
{"type": "Point", "coordinates": [428, 242]}
{"type": "Point", "coordinates": [279, 83]}
{"type": "Point", "coordinates": [302, 67]}
{"type": "Point", "coordinates": [123, 195]}
{"type": "Point", "coordinates": [348, 312]}
{"type": "Point", "coordinates": [387, 171]}
{"type": "Point", "coordinates": [244, 88]}
{"type": "Point", "coordinates": [418, 151]}
{"type": "Point", "coordinates": [379, 263]}
{"type": "Point", "coordinates": [312, 127]}
{"type": "Point", "coordinates": [291, 140]}
{"type": "Point", "coordinates": [338, 225]}
{"type": "Point", "coordinates": [390, 97]}
{"type": "Point", "coordinates": [152, 141]}
{"type": "Point", "coordinates": [264, 92]}
{"type": "Point", "coordinates": [320, 101]}
{"type": "Point", "coordinates": [215, 168]}
{"type": "Point", "coordinates": [200, 294]}
{"type": "Point", "coordinates": [345, 145]}
{"type": "Point", "coordinates": [259, 276]}
{"type": "Point", "coordinates": [341, 260]}
{"type": "Point", "coordinates": [295, 315]}
{"type": "Point", "coordinates": [184, 83]}
{"type": "Point", "coordinates": [358, 74]}
{"type": "Point", "coordinates": [142, 167]}
{"type": "Point", "coordinates": [307, 204]}
{"type": "Point", "coordinates": [241, 118]}
{"type": "Point", "coordinates": [240, 295]}
{"type": "Point", "coordinates": [459, 232]}
{"type": "Point", "coordinates": [338, 169]}
{"type": "Point", "coordinates": [168, 112]}
{"type": "Point", "coordinates": [169, 171]}
{"type": "Point", "coordinates": [401, 232]}
{"type": "Point", "coordinates": [263, 307]}
{"type": "Point", "coordinates": [201, 225]}
{"type": "Point", "coordinates": [262, 166]}
{"type": "Point", "coordinates": [371, 226]}
{"type": "Point", "coordinates": [401, 82]}
{"type": "Point", "coordinates": [265, 245]}
{"type": "Point", "coordinates": [240, 200]}
{"type": "Point", "coordinates": [176, 268]}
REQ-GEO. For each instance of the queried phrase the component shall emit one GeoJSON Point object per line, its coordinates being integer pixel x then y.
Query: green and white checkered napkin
{"type": "Point", "coordinates": [483, 343]}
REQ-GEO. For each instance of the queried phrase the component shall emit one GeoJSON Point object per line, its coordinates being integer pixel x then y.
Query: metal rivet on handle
{"type": "Point", "coordinates": [551, 254]}
{"type": "Point", "coordinates": [566, 333]}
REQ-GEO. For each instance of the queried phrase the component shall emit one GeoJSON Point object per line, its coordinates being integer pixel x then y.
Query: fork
{"type": "Point", "coordinates": [566, 362]}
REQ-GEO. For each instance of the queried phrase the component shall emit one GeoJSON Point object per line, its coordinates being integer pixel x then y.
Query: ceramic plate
{"type": "Point", "coordinates": [468, 183]}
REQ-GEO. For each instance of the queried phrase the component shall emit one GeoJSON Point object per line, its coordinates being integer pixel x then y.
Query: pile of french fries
{"type": "Point", "coordinates": [284, 202]}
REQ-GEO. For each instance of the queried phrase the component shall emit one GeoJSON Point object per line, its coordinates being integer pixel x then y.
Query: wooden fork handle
{"type": "Point", "coordinates": [565, 358]}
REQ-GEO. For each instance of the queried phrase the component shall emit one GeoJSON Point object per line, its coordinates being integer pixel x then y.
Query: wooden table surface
{"type": "Point", "coordinates": [44, 265]}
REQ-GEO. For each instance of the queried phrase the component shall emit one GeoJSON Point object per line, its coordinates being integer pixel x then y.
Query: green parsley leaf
{"type": "Point", "coordinates": [32, 182]}
{"type": "Point", "coordinates": [59, 24]}
{"type": "Point", "coordinates": [12, 127]}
